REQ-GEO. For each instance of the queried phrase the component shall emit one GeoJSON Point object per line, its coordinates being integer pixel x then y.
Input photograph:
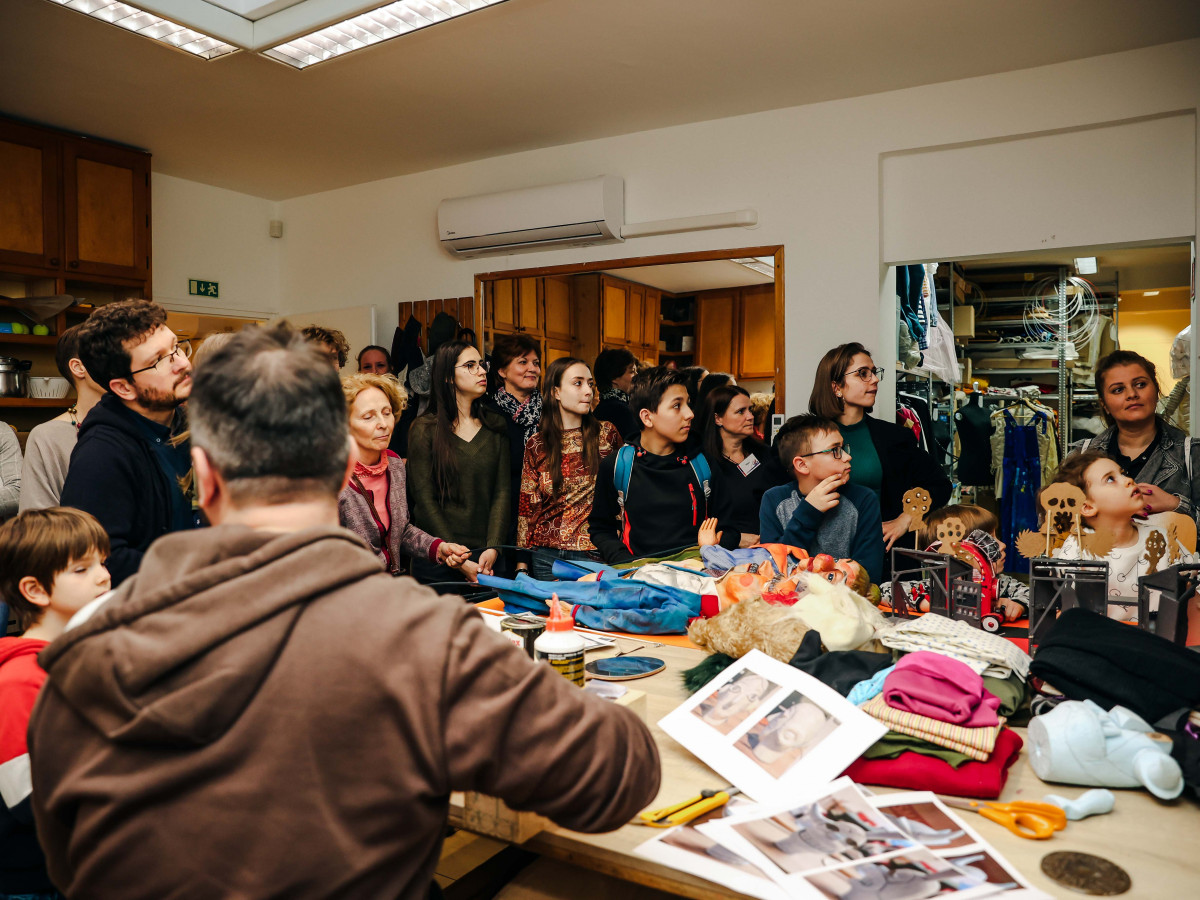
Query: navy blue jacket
{"type": "Point", "coordinates": [851, 530]}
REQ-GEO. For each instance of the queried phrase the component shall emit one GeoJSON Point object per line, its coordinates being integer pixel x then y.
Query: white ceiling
{"type": "Point", "coordinates": [684, 278]}
{"type": "Point", "coordinates": [1137, 268]}
{"type": "Point", "coordinates": [525, 74]}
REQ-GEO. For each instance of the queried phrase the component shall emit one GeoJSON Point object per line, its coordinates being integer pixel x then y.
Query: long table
{"type": "Point", "coordinates": [1157, 843]}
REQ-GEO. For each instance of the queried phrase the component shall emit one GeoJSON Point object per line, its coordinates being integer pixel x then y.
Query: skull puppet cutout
{"type": "Point", "coordinates": [950, 533]}
{"type": "Point", "coordinates": [1062, 504]}
{"type": "Point", "coordinates": [917, 503]}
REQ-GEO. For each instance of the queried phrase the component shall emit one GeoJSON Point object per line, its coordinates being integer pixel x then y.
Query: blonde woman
{"type": "Point", "coordinates": [374, 504]}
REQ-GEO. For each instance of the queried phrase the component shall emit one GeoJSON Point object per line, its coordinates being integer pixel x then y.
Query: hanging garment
{"type": "Point", "coordinates": [909, 419]}
{"type": "Point", "coordinates": [974, 432]}
{"type": "Point", "coordinates": [1022, 473]}
{"type": "Point", "coordinates": [1097, 344]}
{"type": "Point", "coordinates": [908, 291]}
{"type": "Point", "coordinates": [1047, 444]}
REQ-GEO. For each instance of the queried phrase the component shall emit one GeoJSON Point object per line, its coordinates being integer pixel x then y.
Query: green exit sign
{"type": "Point", "coordinates": [203, 288]}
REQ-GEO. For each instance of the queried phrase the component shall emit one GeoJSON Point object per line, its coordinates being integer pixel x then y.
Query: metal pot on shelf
{"type": "Point", "coordinates": [14, 377]}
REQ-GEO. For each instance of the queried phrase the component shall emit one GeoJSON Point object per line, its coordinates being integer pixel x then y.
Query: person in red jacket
{"type": "Point", "coordinates": [51, 566]}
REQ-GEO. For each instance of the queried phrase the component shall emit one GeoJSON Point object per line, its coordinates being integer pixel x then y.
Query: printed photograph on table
{"type": "Point", "coordinates": [984, 868]}
{"type": "Point", "coordinates": [786, 734]}
{"type": "Point", "coordinates": [907, 875]}
{"type": "Point", "coordinates": [729, 705]}
{"type": "Point", "coordinates": [926, 821]}
{"type": "Point", "coordinates": [688, 850]}
{"type": "Point", "coordinates": [837, 828]}
{"type": "Point", "coordinates": [802, 733]}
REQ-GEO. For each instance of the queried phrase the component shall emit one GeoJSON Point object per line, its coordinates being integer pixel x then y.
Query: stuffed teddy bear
{"type": "Point", "coordinates": [752, 624]}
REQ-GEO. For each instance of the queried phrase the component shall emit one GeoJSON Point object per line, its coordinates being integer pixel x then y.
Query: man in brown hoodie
{"type": "Point", "coordinates": [262, 711]}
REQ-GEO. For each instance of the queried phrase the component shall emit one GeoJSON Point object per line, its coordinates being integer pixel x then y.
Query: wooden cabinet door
{"type": "Point", "coordinates": [651, 318]}
{"type": "Point", "coordinates": [556, 349]}
{"type": "Point", "coordinates": [614, 299]}
{"type": "Point", "coordinates": [529, 311]}
{"type": "Point", "coordinates": [756, 332]}
{"type": "Point", "coordinates": [716, 321]}
{"type": "Point", "coordinates": [559, 311]}
{"type": "Point", "coordinates": [29, 216]}
{"type": "Point", "coordinates": [106, 205]}
{"type": "Point", "coordinates": [503, 306]}
{"type": "Point", "coordinates": [634, 312]}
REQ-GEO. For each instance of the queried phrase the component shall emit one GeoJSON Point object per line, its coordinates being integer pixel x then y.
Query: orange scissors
{"type": "Point", "coordinates": [689, 809]}
{"type": "Point", "coordinates": [1036, 821]}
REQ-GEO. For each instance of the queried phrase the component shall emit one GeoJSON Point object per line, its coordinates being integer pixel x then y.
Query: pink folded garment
{"type": "Point", "coordinates": [933, 685]}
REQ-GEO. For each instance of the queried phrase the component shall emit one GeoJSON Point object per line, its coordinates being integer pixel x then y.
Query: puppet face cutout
{"type": "Point", "coordinates": [952, 531]}
{"type": "Point", "coordinates": [917, 503]}
{"type": "Point", "coordinates": [1062, 503]}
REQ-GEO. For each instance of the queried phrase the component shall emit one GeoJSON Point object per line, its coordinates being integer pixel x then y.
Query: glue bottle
{"type": "Point", "coordinates": [560, 646]}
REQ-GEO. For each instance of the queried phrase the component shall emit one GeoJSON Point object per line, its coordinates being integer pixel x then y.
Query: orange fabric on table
{"type": "Point", "coordinates": [671, 640]}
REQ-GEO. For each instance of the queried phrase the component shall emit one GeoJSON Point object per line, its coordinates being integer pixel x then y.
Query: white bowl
{"type": "Point", "coordinates": [45, 387]}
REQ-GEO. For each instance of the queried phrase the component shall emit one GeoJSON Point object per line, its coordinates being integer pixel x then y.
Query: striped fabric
{"type": "Point", "coordinates": [977, 743]}
{"type": "Point", "coordinates": [987, 654]}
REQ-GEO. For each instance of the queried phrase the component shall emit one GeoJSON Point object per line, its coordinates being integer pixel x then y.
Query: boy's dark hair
{"type": "Point", "coordinates": [332, 337]}
{"type": "Point", "coordinates": [972, 517]}
{"type": "Point", "coordinates": [268, 410]}
{"type": "Point", "coordinates": [795, 437]}
{"type": "Point", "coordinates": [1122, 358]}
{"type": "Point", "coordinates": [1073, 469]}
{"type": "Point", "coordinates": [42, 543]}
{"type": "Point", "coordinates": [66, 350]}
{"type": "Point", "coordinates": [102, 338]}
{"type": "Point", "coordinates": [611, 365]}
{"type": "Point", "coordinates": [386, 355]}
{"type": "Point", "coordinates": [650, 386]}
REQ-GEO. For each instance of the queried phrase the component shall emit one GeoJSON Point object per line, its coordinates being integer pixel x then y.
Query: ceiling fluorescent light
{"type": "Point", "coordinates": [148, 25]}
{"type": "Point", "coordinates": [760, 264]}
{"type": "Point", "coordinates": [1085, 265]}
{"type": "Point", "coordinates": [1149, 293]}
{"type": "Point", "coordinates": [369, 28]}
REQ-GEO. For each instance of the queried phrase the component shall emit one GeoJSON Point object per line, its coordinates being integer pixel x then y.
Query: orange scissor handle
{"type": "Point", "coordinates": [1036, 821]}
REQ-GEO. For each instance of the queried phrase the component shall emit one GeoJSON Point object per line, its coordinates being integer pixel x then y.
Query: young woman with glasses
{"type": "Point", "coordinates": [886, 456]}
{"type": "Point", "coordinates": [458, 459]}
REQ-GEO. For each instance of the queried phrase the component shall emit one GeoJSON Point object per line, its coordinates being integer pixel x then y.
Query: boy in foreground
{"type": "Point", "coordinates": [51, 566]}
{"type": "Point", "coordinates": [822, 512]}
{"type": "Point", "coordinates": [661, 500]}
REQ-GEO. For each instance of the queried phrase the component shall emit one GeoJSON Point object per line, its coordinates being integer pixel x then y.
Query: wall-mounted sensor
{"type": "Point", "coordinates": [276, 228]}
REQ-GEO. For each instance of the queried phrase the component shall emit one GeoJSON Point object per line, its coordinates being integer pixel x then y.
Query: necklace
{"type": "Point", "coordinates": [71, 412]}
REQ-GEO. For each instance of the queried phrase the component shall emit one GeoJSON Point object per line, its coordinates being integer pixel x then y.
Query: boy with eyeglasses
{"type": "Point", "coordinates": [125, 469]}
{"type": "Point", "coordinates": [822, 512]}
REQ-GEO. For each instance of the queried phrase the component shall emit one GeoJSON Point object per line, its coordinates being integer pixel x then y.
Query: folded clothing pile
{"type": "Point", "coordinates": [921, 772]}
{"type": "Point", "coordinates": [987, 654]}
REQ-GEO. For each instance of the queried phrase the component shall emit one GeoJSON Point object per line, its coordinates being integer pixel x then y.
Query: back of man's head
{"type": "Point", "coordinates": [649, 386]}
{"type": "Point", "coordinates": [268, 411]}
{"type": "Point", "coordinates": [109, 333]}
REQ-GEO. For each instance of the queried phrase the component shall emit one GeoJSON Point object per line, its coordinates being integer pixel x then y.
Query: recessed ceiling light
{"type": "Point", "coordinates": [149, 25]}
{"type": "Point", "coordinates": [1149, 293]}
{"type": "Point", "coordinates": [1085, 265]}
{"type": "Point", "coordinates": [369, 28]}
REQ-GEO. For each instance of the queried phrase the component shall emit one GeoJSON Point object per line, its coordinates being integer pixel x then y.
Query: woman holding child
{"type": "Point", "coordinates": [1148, 449]}
{"type": "Point", "coordinates": [374, 504]}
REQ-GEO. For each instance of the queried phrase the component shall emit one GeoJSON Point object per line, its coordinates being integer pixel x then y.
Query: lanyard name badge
{"type": "Point", "coordinates": [749, 464]}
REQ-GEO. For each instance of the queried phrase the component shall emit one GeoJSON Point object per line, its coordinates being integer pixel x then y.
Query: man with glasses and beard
{"type": "Point", "coordinates": [125, 470]}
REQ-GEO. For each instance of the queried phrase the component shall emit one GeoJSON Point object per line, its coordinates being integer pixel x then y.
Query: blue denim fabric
{"type": "Point", "coordinates": [1022, 480]}
{"type": "Point", "coordinates": [908, 289]}
{"type": "Point", "coordinates": [542, 562]}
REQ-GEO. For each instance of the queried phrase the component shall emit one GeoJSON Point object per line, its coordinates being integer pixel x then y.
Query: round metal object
{"type": "Point", "coordinates": [1086, 873]}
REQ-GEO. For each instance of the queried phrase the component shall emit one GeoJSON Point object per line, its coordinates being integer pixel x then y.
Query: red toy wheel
{"type": "Point", "coordinates": [991, 624]}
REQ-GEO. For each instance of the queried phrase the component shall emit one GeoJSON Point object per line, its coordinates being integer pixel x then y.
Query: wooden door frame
{"type": "Point", "coordinates": [666, 259]}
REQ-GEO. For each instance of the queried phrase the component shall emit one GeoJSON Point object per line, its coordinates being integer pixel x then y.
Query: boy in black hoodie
{"type": "Point", "coordinates": [668, 502]}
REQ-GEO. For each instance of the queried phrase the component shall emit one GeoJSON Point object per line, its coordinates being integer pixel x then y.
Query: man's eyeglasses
{"type": "Point", "coordinates": [838, 452]}
{"type": "Point", "coordinates": [865, 373]}
{"type": "Point", "coordinates": [184, 347]}
{"type": "Point", "coordinates": [475, 365]}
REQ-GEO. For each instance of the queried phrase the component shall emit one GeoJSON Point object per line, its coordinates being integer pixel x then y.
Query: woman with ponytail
{"type": "Point", "coordinates": [558, 479]}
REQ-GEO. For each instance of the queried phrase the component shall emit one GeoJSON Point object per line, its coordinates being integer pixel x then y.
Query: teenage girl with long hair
{"type": "Point", "coordinates": [459, 465]}
{"type": "Point", "coordinates": [558, 479]}
{"type": "Point", "coordinates": [744, 468]}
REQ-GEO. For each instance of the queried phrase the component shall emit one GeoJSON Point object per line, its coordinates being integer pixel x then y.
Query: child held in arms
{"type": "Point", "coordinates": [1112, 509]}
{"type": "Point", "coordinates": [51, 566]}
{"type": "Point", "coordinates": [1012, 597]}
{"type": "Point", "coordinates": [822, 512]}
{"type": "Point", "coordinates": [668, 501]}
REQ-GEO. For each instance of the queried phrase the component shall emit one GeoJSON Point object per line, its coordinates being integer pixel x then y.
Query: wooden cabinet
{"type": "Point", "coordinates": [556, 349]}
{"type": "Point", "coordinates": [614, 304]}
{"type": "Point", "coordinates": [559, 310]}
{"type": "Point", "coordinates": [501, 301]}
{"type": "Point", "coordinates": [651, 319]}
{"type": "Point", "coordinates": [756, 332]}
{"type": "Point", "coordinates": [635, 310]}
{"type": "Point", "coordinates": [529, 307]}
{"type": "Point", "coordinates": [716, 330]}
{"type": "Point", "coordinates": [72, 205]}
{"type": "Point", "coordinates": [29, 197]}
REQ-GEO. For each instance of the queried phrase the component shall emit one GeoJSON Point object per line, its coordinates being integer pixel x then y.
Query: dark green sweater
{"type": "Point", "coordinates": [478, 513]}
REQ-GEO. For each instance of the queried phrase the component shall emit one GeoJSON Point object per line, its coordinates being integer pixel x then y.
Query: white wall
{"type": "Point", "coordinates": [211, 234]}
{"type": "Point", "coordinates": [813, 173]}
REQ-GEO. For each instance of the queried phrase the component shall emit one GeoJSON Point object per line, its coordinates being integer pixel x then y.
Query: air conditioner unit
{"type": "Point", "coordinates": [577, 213]}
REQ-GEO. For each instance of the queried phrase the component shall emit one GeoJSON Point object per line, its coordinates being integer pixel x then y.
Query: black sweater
{"type": "Point", "coordinates": [115, 476]}
{"type": "Point", "coordinates": [743, 494]}
{"type": "Point", "coordinates": [665, 506]}
{"type": "Point", "coordinates": [905, 466]}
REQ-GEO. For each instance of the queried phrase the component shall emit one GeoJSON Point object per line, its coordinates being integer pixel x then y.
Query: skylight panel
{"type": "Point", "coordinates": [366, 29]}
{"type": "Point", "coordinates": [149, 25]}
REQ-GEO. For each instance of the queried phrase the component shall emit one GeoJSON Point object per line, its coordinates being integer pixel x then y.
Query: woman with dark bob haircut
{"type": "Point", "coordinates": [1152, 452]}
{"type": "Point", "coordinates": [886, 457]}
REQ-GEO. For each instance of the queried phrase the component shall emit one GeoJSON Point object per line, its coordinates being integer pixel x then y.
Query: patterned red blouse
{"type": "Point", "coordinates": [560, 522]}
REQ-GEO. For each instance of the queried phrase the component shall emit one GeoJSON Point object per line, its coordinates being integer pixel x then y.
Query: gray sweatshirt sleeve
{"type": "Point", "coordinates": [47, 455]}
{"type": "Point", "coordinates": [10, 471]}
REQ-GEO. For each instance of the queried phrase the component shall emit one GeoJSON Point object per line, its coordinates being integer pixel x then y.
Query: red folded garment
{"type": "Point", "coordinates": [933, 685]}
{"type": "Point", "coordinates": [917, 772]}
